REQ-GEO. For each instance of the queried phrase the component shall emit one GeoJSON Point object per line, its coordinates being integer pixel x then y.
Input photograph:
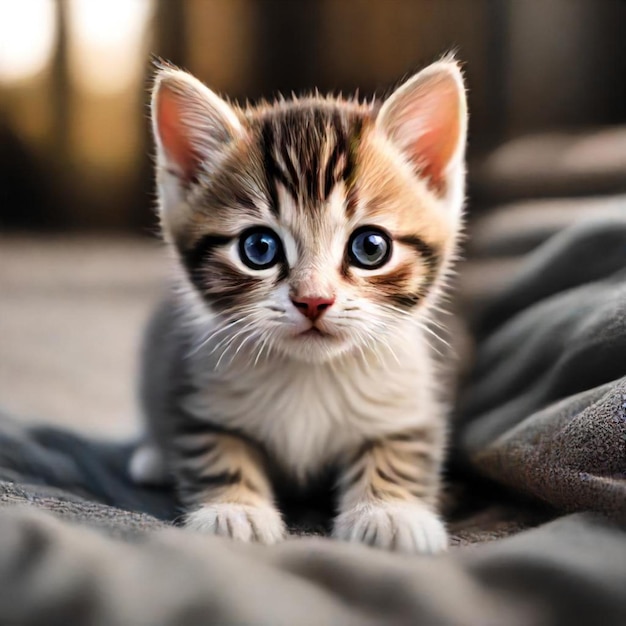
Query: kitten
{"type": "Point", "coordinates": [313, 236]}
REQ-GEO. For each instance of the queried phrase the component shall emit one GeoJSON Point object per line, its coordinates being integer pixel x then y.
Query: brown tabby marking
{"type": "Point", "coordinates": [308, 148]}
{"type": "Point", "coordinates": [403, 467]}
{"type": "Point", "coordinates": [220, 467]}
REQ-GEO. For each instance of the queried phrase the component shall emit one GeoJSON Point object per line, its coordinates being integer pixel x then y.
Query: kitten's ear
{"type": "Point", "coordinates": [191, 124]}
{"type": "Point", "coordinates": [426, 119]}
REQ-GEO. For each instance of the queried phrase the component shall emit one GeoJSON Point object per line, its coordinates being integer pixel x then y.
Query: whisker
{"type": "Point", "coordinates": [231, 343]}
{"type": "Point", "coordinates": [241, 345]}
{"type": "Point", "coordinates": [439, 309]}
{"type": "Point", "coordinates": [390, 348]}
{"type": "Point", "coordinates": [435, 335]}
{"type": "Point", "coordinates": [226, 339]}
{"type": "Point", "coordinates": [421, 325]}
{"type": "Point", "coordinates": [263, 344]}
{"type": "Point", "coordinates": [214, 333]}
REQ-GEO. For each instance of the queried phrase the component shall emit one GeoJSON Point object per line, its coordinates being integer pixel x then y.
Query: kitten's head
{"type": "Point", "coordinates": [312, 226]}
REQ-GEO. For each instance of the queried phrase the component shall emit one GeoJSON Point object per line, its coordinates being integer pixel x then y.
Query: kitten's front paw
{"type": "Point", "coordinates": [243, 522]}
{"type": "Point", "coordinates": [400, 526]}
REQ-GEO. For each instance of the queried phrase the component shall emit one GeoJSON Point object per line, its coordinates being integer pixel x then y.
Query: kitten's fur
{"type": "Point", "coordinates": [231, 386]}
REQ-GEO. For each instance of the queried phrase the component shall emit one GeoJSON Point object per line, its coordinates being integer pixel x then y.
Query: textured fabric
{"type": "Point", "coordinates": [545, 409]}
{"type": "Point", "coordinates": [572, 571]}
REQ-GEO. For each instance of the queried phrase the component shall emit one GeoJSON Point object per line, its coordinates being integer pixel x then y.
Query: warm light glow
{"type": "Point", "coordinates": [106, 37]}
{"type": "Point", "coordinates": [27, 35]}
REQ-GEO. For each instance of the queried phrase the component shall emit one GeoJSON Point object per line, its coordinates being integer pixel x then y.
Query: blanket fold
{"type": "Point", "coordinates": [544, 411]}
{"type": "Point", "coordinates": [568, 572]}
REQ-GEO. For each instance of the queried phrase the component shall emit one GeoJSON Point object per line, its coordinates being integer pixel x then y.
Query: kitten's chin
{"type": "Point", "coordinates": [314, 347]}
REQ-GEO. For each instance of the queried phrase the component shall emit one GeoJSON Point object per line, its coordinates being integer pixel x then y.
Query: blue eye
{"type": "Point", "coordinates": [260, 248]}
{"type": "Point", "coordinates": [369, 247]}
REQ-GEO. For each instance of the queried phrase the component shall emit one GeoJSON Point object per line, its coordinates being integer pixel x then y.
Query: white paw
{"type": "Point", "coordinates": [147, 466]}
{"type": "Point", "coordinates": [242, 522]}
{"type": "Point", "coordinates": [403, 526]}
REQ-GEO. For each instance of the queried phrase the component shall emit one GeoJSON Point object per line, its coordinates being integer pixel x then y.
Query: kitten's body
{"type": "Point", "coordinates": [320, 359]}
{"type": "Point", "coordinates": [306, 416]}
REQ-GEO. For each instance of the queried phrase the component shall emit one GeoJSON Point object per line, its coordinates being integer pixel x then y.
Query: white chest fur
{"type": "Point", "coordinates": [305, 414]}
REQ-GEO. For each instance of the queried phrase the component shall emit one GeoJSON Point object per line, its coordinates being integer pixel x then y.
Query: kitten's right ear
{"type": "Point", "coordinates": [192, 125]}
{"type": "Point", "coordinates": [426, 119]}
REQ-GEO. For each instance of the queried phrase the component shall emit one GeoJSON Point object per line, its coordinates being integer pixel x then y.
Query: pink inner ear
{"type": "Point", "coordinates": [427, 126]}
{"type": "Point", "coordinates": [436, 147]}
{"type": "Point", "coordinates": [173, 134]}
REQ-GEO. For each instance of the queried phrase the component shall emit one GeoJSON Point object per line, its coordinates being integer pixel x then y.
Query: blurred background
{"type": "Point", "coordinates": [78, 263]}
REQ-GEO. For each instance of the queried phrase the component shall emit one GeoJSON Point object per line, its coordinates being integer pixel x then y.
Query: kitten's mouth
{"type": "Point", "coordinates": [314, 331]}
{"type": "Point", "coordinates": [316, 345]}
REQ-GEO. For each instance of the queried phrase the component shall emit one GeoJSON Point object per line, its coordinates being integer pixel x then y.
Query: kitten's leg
{"type": "Point", "coordinates": [224, 487]}
{"type": "Point", "coordinates": [388, 494]}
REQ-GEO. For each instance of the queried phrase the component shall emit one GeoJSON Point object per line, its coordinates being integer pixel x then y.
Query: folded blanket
{"type": "Point", "coordinates": [571, 571]}
{"type": "Point", "coordinates": [536, 503]}
{"type": "Point", "coordinates": [545, 411]}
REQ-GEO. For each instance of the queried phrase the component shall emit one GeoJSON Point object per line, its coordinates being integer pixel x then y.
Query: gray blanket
{"type": "Point", "coordinates": [536, 502]}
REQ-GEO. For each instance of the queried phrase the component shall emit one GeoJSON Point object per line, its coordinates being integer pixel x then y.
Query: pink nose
{"type": "Point", "coordinates": [313, 308]}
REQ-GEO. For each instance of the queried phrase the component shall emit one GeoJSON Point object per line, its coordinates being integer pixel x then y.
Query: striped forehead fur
{"type": "Point", "coordinates": [309, 146]}
{"type": "Point", "coordinates": [305, 145]}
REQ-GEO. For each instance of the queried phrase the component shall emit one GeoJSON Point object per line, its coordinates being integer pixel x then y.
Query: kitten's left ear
{"type": "Point", "coordinates": [193, 128]}
{"type": "Point", "coordinates": [192, 125]}
{"type": "Point", "coordinates": [426, 119]}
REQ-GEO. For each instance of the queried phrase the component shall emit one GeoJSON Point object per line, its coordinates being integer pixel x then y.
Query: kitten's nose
{"type": "Point", "coordinates": [313, 308]}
